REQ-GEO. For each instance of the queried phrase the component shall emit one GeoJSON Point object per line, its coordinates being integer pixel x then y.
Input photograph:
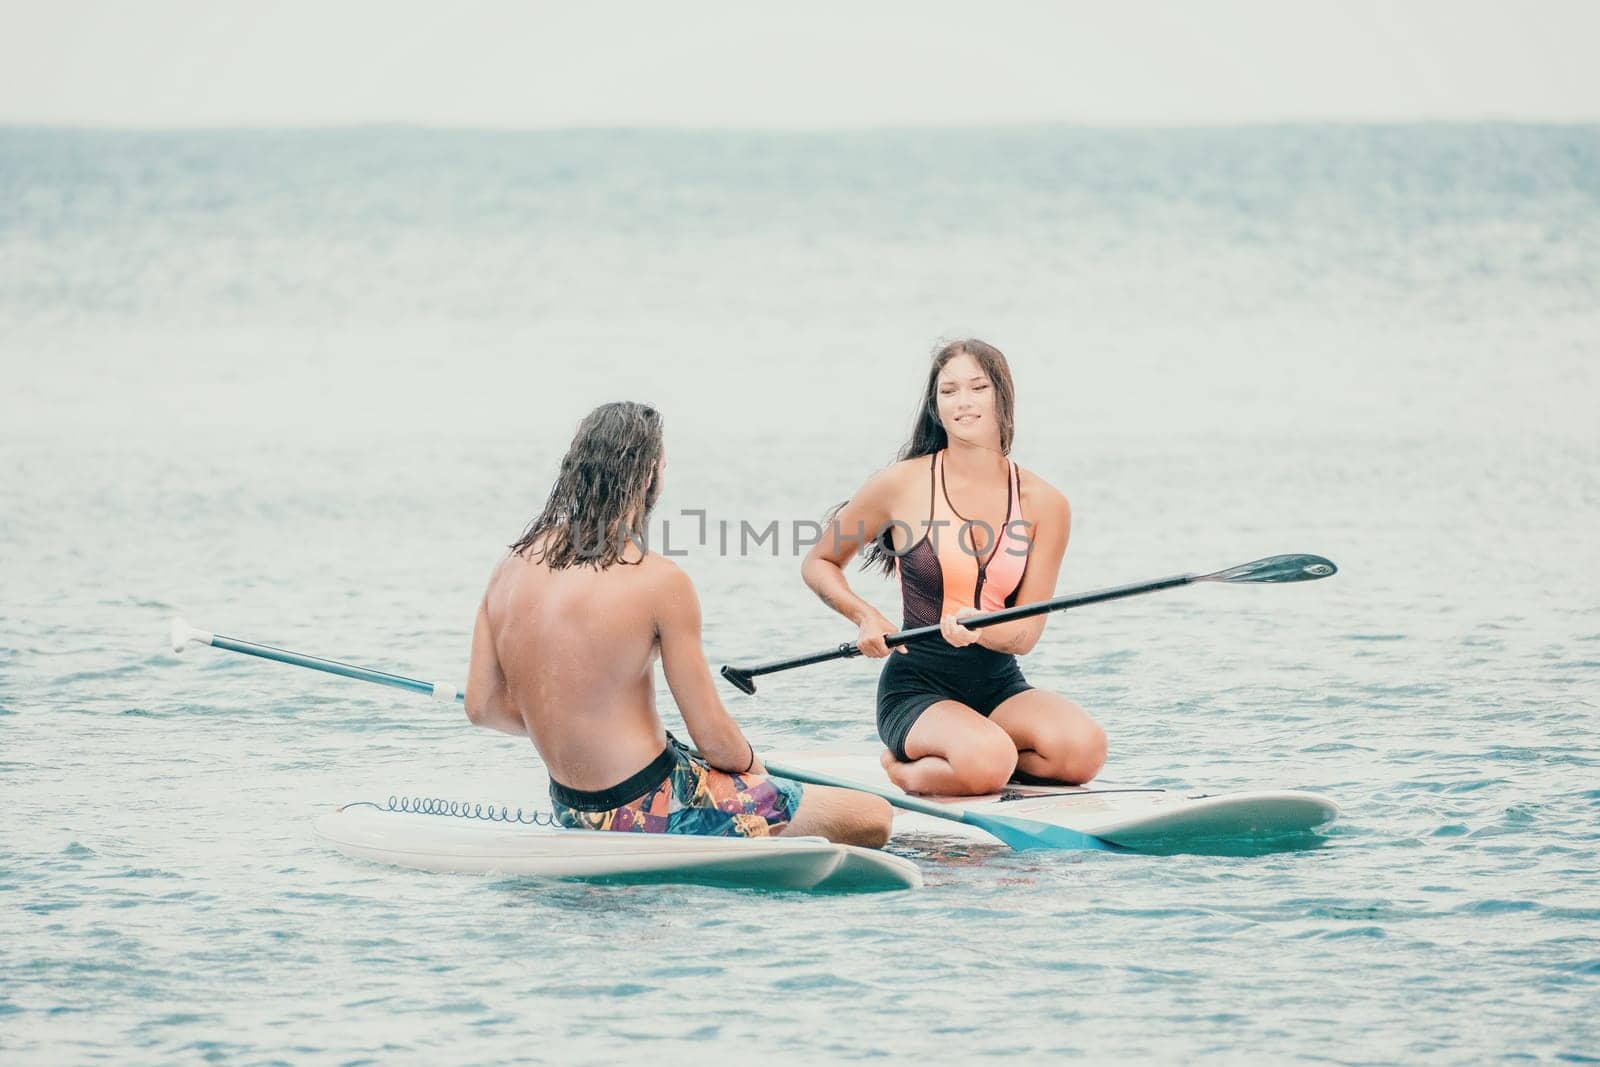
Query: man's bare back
{"type": "Point", "coordinates": [564, 652]}
{"type": "Point", "coordinates": [577, 650]}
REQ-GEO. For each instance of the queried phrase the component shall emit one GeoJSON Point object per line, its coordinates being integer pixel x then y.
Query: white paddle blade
{"type": "Point", "coordinates": [183, 633]}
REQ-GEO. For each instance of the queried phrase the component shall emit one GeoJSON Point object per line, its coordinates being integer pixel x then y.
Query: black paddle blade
{"type": "Point", "coordinates": [743, 681]}
{"type": "Point", "coordinates": [1293, 568]}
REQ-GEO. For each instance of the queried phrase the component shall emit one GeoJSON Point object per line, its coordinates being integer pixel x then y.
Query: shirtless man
{"type": "Point", "coordinates": [564, 653]}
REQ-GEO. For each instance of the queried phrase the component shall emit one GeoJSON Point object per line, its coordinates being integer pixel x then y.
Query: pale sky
{"type": "Point", "coordinates": [488, 63]}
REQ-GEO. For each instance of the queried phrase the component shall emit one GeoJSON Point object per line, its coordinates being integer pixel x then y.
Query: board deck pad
{"type": "Point", "coordinates": [1141, 818]}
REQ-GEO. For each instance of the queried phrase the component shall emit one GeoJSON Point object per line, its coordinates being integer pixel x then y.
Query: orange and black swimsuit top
{"type": "Point", "coordinates": [960, 563]}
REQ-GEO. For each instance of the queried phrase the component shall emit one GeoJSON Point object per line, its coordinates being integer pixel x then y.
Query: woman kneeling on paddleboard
{"type": "Point", "coordinates": [967, 530]}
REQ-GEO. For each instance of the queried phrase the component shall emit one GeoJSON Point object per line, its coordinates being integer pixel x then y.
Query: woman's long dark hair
{"type": "Point", "coordinates": [604, 493]}
{"type": "Point", "coordinates": [927, 432]}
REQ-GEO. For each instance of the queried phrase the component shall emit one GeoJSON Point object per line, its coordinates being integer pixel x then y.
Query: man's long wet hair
{"type": "Point", "coordinates": [603, 496]}
{"type": "Point", "coordinates": [927, 432]}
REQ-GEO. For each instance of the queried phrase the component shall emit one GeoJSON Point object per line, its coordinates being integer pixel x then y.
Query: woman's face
{"type": "Point", "coordinates": [966, 403]}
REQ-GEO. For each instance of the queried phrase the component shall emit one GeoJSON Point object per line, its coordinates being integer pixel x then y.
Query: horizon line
{"type": "Point", "coordinates": [274, 126]}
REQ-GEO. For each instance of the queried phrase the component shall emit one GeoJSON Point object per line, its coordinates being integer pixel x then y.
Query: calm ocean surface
{"type": "Point", "coordinates": [301, 387]}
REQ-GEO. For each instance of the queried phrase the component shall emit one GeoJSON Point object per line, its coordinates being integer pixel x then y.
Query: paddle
{"type": "Point", "coordinates": [1277, 569]}
{"type": "Point", "coordinates": [1018, 833]}
{"type": "Point", "coordinates": [183, 633]}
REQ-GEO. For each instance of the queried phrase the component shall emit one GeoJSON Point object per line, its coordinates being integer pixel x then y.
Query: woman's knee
{"type": "Point", "coordinates": [1094, 750]}
{"type": "Point", "coordinates": [1082, 753]}
{"type": "Point", "coordinates": [987, 763]}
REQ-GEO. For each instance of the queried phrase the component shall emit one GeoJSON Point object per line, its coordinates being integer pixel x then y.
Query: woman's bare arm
{"type": "Point", "coordinates": [861, 520]}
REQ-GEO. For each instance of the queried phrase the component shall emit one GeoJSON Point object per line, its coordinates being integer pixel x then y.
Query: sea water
{"type": "Point", "coordinates": [302, 387]}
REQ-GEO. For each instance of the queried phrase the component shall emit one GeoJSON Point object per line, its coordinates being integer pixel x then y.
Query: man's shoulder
{"type": "Point", "coordinates": [660, 571]}
{"type": "Point", "coordinates": [503, 571]}
{"type": "Point", "coordinates": [663, 587]}
{"type": "Point", "coordinates": [649, 573]}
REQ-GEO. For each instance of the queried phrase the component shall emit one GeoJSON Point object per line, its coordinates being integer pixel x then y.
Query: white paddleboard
{"type": "Point", "coordinates": [1138, 818]}
{"type": "Point", "coordinates": [465, 845]}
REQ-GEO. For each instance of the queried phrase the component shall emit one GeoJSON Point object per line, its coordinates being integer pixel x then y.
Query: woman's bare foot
{"type": "Point", "coordinates": [894, 769]}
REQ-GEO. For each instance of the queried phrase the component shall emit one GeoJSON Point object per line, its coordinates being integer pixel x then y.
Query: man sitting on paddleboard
{"type": "Point", "coordinates": [564, 652]}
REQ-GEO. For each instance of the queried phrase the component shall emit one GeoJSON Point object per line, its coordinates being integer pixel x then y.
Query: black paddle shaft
{"type": "Point", "coordinates": [1289, 568]}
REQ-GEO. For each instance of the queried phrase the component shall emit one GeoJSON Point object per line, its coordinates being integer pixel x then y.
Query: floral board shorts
{"type": "Point", "coordinates": [678, 793]}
